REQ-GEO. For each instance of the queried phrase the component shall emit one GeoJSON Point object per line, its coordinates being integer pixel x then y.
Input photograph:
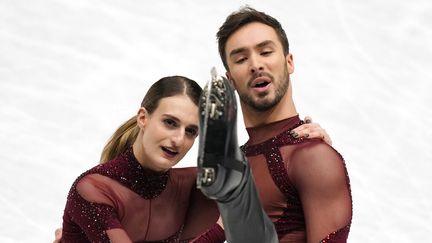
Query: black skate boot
{"type": "Point", "coordinates": [223, 172]}
{"type": "Point", "coordinates": [221, 164]}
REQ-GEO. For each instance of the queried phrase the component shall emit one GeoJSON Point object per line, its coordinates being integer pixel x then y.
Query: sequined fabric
{"type": "Point", "coordinates": [148, 206]}
{"type": "Point", "coordinates": [270, 150]}
{"type": "Point", "coordinates": [338, 236]}
{"type": "Point", "coordinates": [146, 183]}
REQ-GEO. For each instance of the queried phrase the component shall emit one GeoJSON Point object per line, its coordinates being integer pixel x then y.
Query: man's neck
{"type": "Point", "coordinates": [252, 118]}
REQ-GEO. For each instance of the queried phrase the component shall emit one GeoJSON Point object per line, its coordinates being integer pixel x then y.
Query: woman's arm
{"type": "Point", "coordinates": [214, 235]}
{"type": "Point", "coordinates": [90, 207]}
{"type": "Point", "coordinates": [202, 223]}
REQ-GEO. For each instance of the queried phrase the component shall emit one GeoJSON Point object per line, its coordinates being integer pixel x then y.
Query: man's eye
{"type": "Point", "coordinates": [170, 123]}
{"type": "Point", "coordinates": [266, 53]}
{"type": "Point", "coordinates": [240, 60]}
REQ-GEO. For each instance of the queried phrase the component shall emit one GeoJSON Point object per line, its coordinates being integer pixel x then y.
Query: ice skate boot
{"type": "Point", "coordinates": [221, 164]}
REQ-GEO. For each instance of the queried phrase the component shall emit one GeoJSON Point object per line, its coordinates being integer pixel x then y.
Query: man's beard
{"type": "Point", "coordinates": [265, 105]}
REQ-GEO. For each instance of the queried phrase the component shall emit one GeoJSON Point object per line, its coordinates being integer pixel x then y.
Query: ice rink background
{"type": "Point", "coordinates": [72, 71]}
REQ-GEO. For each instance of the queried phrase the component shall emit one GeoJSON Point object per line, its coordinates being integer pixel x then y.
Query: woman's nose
{"type": "Point", "coordinates": [178, 138]}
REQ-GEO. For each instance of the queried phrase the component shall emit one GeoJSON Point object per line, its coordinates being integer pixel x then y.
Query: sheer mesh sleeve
{"type": "Point", "coordinates": [201, 216]}
{"type": "Point", "coordinates": [319, 174]}
{"type": "Point", "coordinates": [91, 208]}
{"type": "Point", "coordinates": [214, 235]}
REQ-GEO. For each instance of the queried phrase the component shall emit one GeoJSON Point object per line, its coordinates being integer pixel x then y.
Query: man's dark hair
{"type": "Point", "coordinates": [242, 17]}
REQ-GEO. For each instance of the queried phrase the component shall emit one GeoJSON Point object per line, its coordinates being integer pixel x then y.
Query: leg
{"type": "Point", "coordinates": [223, 172]}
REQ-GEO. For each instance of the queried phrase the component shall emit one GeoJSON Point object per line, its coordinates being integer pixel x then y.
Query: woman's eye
{"type": "Point", "coordinates": [191, 132]}
{"type": "Point", "coordinates": [170, 123]}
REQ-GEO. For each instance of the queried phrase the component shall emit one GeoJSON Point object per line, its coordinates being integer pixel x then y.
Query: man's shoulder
{"type": "Point", "coordinates": [318, 159]}
{"type": "Point", "coordinates": [315, 150]}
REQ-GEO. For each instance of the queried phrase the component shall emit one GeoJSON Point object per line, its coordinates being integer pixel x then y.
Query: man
{"type": "Point", "coordinates": [303, 185]}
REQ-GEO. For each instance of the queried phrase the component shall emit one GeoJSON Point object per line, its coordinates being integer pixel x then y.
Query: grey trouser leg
{"type": "Point", "coordinates": [244, 218]}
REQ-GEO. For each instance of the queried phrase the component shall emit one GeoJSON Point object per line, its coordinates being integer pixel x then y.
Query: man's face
{"type": "Point", "coordinates": [257, 66]}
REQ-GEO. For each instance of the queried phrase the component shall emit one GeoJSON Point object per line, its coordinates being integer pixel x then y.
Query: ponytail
{"type": "Point", "coordinates": [122, 138]}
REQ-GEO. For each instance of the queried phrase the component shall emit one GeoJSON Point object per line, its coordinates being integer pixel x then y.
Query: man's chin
{"type": "Point", "coordinates": [263, 104]}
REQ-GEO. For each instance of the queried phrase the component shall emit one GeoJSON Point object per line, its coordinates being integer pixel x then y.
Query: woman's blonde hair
{"type": "Point", "coordinates": [127, 133]}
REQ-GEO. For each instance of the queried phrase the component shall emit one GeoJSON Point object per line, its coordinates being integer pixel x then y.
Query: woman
{"type": "Point", "coordinates": [135, 195]}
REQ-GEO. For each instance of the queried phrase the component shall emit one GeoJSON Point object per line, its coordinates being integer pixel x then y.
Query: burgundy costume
{"type": "Point", "coordinates": [148, 206]}
{"type": "Point", "coordinates": [285, 169]}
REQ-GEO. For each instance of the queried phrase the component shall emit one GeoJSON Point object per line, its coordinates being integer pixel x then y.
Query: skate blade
{"type": "Point", "coordinates": [213, 100]}
{"type": "Point", "coordinates": [212, 106]}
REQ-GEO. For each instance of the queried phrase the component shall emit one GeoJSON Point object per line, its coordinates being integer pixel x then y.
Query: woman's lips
{"type": "Point", "coordinates": [169, 152]}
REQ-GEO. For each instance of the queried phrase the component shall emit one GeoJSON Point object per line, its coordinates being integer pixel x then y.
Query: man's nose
{"type": "Point", "coordinates": [256, 63]}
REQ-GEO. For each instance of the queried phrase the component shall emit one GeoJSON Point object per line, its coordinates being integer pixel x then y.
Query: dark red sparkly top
{"type": "Point", "coordinates": [303, 183]}
{"type": "Point", "coordinates": [136, 204]}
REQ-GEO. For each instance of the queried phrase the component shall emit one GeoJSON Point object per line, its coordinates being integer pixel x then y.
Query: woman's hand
{"type": "Point", "coordinates": [57, 235]}
{"type": "Point", "coordinates": [219, 222]}
{"type": "Point", "coordinates": [311, 130]}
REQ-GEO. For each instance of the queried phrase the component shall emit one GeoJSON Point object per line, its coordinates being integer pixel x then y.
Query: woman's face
{"type": "Point", "coordinates": [167, 134]}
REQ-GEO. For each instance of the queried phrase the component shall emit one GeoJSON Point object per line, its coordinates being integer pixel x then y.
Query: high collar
{"type": "Point", "coordinates": [265, 132]}
{"type": "Point", "coordinates": [128, 171]}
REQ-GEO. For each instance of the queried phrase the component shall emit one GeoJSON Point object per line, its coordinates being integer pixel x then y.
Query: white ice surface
{"type": "Point", "coordinates": [72, 71]}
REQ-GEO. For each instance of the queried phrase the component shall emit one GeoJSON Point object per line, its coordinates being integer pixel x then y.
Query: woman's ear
{"type": "Point", "coordinates": [142, 117]}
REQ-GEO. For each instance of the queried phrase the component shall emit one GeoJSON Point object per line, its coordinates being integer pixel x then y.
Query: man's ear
{"type": "Point", "coordinates": [227, 74]}
{"type": "Point", "coordinates": [290, 63]}
{"type": "Point", "coordinates": [142, 116]}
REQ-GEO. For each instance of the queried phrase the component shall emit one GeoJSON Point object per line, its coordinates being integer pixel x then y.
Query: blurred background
{"type": "Point", "coordinates": [72, 71]}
